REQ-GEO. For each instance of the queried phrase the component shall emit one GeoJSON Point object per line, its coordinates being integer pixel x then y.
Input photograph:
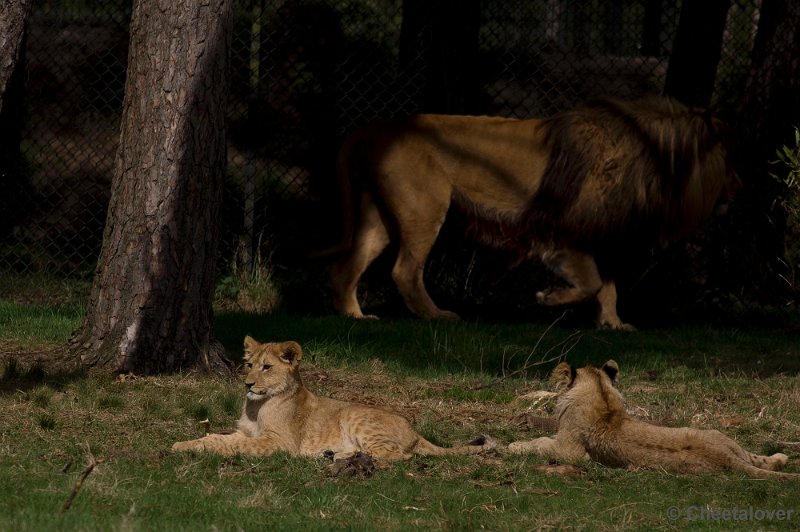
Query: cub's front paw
{"type": "Point", "coordinates": [191, 445]}
{"type": "Point", "coordinates": [521, 447]}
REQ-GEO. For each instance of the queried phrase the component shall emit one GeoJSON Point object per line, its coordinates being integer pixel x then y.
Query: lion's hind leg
{"type": "Point", "coordinates": [370, 239]}
{"type": "Point", "coordinates": [418, 232]}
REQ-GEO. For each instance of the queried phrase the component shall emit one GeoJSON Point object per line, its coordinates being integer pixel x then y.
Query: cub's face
{"type": "Point", "coordinates": [270, 368]}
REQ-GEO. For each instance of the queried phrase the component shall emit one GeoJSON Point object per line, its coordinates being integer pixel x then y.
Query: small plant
{"type": "Point", "coordinates": [46, 421]}
{"type": "Point", "coordinates": [789, 157]}
{"type": "Point", "coordinates": [250, 286]}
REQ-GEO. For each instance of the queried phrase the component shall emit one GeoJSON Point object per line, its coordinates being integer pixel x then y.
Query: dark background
{"type": "Point", "coordinates": [306, 73]}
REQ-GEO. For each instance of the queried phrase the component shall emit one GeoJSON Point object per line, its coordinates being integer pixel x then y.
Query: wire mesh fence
{"type": "Point", "coordinates": [304, 74]}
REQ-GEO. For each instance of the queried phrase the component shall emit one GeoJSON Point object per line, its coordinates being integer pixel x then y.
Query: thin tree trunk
{"type": "Point", "coordinates": [445, 34]}
{"type": "Point", "coordinates": [770, 113]}
{"type": "Point", "coordinates": [150, 305]}
{"type": "Point", "coordinates": [13, 22]}
{"type": "Point", "coordinates": [651, 32]}
{"type": "Point", "coordinates": [696, 51]}
{"type": "Point", "coordinates": [13, 19]}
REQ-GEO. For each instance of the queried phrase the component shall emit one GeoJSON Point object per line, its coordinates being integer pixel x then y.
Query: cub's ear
{"type": "Point", "coordinates": [250, 345]}
{"type": "Point", "coordinates": [612, 370]}
{"type": "Point", "coordinates": [291, 352]}
{"type": "Point", "coordinates": [563, 375]}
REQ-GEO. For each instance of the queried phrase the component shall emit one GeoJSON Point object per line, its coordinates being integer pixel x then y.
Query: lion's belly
{"type": "Point", "coordinates": [503, 184]}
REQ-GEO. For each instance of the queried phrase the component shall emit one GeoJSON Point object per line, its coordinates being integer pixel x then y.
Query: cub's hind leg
{"type": "Point", "coordinates": [770, 463]}
{"type": "Point", "coordinates": [718, 440]}
{"type": "Point", "coordinates": [370, 239]}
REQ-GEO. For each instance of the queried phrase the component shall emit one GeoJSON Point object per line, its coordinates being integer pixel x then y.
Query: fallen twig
{"type": "Point", "coordinates": [95, 462]}
{"type": "Point", "coordinates": [788, 445]}
{"type": "Point", "coordinates": [570, 342]}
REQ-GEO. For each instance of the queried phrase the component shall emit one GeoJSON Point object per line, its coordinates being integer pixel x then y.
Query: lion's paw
{"type": "Point", "coordinates": [615, 326]}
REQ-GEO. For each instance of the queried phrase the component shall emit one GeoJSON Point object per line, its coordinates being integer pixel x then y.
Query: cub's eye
{"type": "Point", "coordinates": [265, 367]}
{"type": "Point", "coordinates": [248, 365]}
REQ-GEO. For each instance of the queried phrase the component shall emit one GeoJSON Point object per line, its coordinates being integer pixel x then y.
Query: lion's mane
{"type": "Point", "coordinates": [625, 172]}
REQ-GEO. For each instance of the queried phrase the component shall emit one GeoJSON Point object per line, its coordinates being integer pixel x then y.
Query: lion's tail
{"type": "Point", "coordinates": [345, 169]}
{"type": "Point", "coordinates": [478, 445]}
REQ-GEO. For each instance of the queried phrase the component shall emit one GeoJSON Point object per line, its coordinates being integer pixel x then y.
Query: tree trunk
{"type": "Point", "coordinates": [150, 305]}
{"type": "Point", "coordinates": [13, 21]}
{"type": "Point", "coordinates": [696, 51]}
{"type": "Point", "coordinates": [651, 31]}
{"type": "Point", "coordinates": [770, 113]}
{"type": "Point", "coordinates": [444, 33]}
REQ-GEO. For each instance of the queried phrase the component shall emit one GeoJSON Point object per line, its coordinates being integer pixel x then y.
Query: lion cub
{"type": "Point", "coordinates": [281, 414]}
{"type": "Point", "coordinates": [592, 423]}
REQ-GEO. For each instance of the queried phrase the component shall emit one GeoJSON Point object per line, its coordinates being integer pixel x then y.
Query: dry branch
{"type": "Point", "coordinates": [566, 345]}
{"type": "Point", "coordinates": [86, 472]}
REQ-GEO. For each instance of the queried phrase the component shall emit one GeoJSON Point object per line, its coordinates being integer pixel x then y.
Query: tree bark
{"type": "Point", "coordinates": [651, 30]}
{"type": "Point", "coordinates": [771, 111]}
{"type": "Point", "coordinates": [444, 33]}
{"type": "Point", "coordinates": [150, 308]}
{"type": "Point", "coordinates": [13, 22]}
{"type": "Point", "coordinates": [696, 51]}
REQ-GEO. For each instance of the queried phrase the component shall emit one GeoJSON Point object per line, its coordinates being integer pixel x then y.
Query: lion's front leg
{"type": "Point", "coordinates": [578, 269]}
{"type": "Point", "coordinates": [607, 317]}
{"type": "Point", "coordinates": [230, 444]}
{"type": "Point", "coordinates": [550, 448]}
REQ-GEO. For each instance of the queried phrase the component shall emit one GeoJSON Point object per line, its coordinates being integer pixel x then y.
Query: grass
{"type": "Point", "coordinates": [448, 379]}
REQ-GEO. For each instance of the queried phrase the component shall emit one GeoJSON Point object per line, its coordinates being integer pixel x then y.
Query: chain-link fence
{"type": "Point", "coordinates": [304, 74]}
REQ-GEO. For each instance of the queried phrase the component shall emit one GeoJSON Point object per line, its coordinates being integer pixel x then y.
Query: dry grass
{"type": "Point", "coordinates": [54, 426]}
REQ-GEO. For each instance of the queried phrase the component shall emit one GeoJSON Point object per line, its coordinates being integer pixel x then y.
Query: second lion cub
{"type": "Point", "coordinates": [281, 414]}
{"type": "Point", "coordinates": [593, 423]}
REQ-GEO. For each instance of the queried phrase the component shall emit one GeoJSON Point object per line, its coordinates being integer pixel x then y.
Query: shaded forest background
{"type": "Point", "coordinates": [306, 73]}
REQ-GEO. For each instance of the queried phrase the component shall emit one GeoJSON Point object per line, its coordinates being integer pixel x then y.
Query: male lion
{"type": "Point", "coordinates": [580, 189]}
{"type": "Point", "coordinates": [592, 423]}
{"type": "Point", "coordinates": [281, 414]}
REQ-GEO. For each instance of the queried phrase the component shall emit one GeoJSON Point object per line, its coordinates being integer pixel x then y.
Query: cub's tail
{"type": "Point", "coordinates": [478, 445]}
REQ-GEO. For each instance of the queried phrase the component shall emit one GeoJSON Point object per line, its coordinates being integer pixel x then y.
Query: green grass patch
{"type": "Point", "coordinates": [26, 327]}
{"type": "Point", "coordinates": [453, 381]}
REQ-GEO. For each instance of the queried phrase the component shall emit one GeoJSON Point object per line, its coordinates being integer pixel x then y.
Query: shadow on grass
{"type": "Point", "coordinates": [498, 348]}
{"type": "Point", "coordinates": [42, 368]}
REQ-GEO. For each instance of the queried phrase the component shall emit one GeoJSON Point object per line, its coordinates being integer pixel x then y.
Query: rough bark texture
{"type": "Point", "coordinates": [13, 17]}
{"type": "Point", "coordinates": [696, 51]}
{"type": "Point", "coordinates": [445, 34]}
{"type": "Point", "coordinates": [770, 113]}
{"type": "Point", "coordinates": [150, 306]}
{"type": "Point", "coordinates": [13, 20]}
